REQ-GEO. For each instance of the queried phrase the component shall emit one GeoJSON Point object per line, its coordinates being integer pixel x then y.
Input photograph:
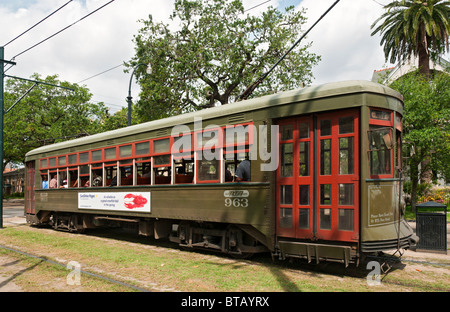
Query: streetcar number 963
{"type": "Point", "coordinates": [236, 198]}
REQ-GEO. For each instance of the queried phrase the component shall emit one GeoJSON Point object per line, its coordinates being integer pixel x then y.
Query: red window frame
{"type": "Point", "coordinates": [388, 124]}
{"type": "Point", "coordinates": [40, 163]}
{"type": "Point", "coordinates": [199, 149]}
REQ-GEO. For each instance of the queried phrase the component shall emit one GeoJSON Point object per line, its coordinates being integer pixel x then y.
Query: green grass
{"type": "Point", "coordinates": [161, 266]}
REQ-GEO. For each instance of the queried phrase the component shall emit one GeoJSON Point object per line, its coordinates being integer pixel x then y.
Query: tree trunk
{"type": "Point", "coordinates": [415, 182]}
{"type": "Point", "coordinates": [424, 61]}
{"type": "Point", "coordinates": [414, 176]}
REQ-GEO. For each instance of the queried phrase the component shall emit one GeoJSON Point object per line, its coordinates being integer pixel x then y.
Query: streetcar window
{"type": "Point", "coordinates": [237, 135]}
{"type": "Point", "coordinates": [63, 178]}
{"type": "Point", "coordinates": [232, 161]}
{"type": "Point", "coordinates": [96, 155]}
{"type": "Point", "coordinates": [346, 155]}
{"type": "Point", "coordinates": [325, 127]}
{"type": "Point", "coordinates": [303, 157]}
{"type": "Point", "coordinates": [184, 170]}
{"type": "Point", "coordinates": [62, 161]}
{"type": "Point", "coordinates": [208, 139]}
{"type": "Point", "coordinates": [73, 159]}
{"type": "Point", "coordinates": [161, 146]}
{"type": "Point", "coordinates": [380, 148]}
{"type": "Point", "coordinates": [52, 162]}
{"type": "Point", "coordinates": [163, 169]}
{"type": "Point", "coordinates": [97, 176]}
{"type": "Point", "coordinates": [162, 160]}
{"type": "Point", "coordinates": [286, 160]}
{"type": "Point", "coordinates": [286, 194]}
{"type": "Point", "coordinates": [162, 175]}
{"type": "Point", "coordinates": [286, 217]}
{"type": "Point", "coordinates": [142, 148]}
{"type": "Point", "coordinates": [111, 175]}
{"type": "Point", "coordinates": [286, 132]}
{"type": "Point", "coordinates": [346, 125]}
{"type": "Point", "coordinates": [325, 219]}
{"type": "Point", "coordinates": [84, 157]}
{"type": "Point", "coordinates": [73, 178]}
{"type": "Point", "coordinates": [345, 220]}
{"type": "Point", "coordinates": [303, 130]}
{"type": "Point", "coordinates": [325, 157]}
{"type": "Point", "coordinates": [303, 195]}
{"type": "Point", "coordinates": [380, 114]}
{"type": "Point", "coordinates": [43, 163]}
{"type": "Point", "coordinates": [110, 153]}
{"type": "Point", "coordinates": [325, 194]}
{"type": "Point", "coordinates": [237, 142]}
{"type": "Point", "coordinates": [209, 170]}
{"type": "Point", "coordinates": [143, 170]}
{"type": "Point", "coordinates": [346, 194]}
{"type": "Point", "coordinates": [303, 218]}
{"type": "Point", "coordinates": [44, 181]}
{"type": "Point", "coordinates": [125, 151]}
{"type": "Point", "coordinates": [126, 175]}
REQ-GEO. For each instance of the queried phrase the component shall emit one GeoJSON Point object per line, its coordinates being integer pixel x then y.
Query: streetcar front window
{"type": "Point", "coordinates": [380, 146]}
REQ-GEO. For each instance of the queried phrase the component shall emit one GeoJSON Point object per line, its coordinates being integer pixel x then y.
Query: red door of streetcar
{"type": "Point", "coordinates": [29, 188]}
{"type": "Point", "coordinates": [318, 177]}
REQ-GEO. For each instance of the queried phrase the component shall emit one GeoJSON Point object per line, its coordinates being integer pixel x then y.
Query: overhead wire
{"type": "Point", "coordinates": [100, 73]}
{"type": "Point", "coordinates": [257, 6]}
{"type": "Point", "coordinates": [122, 64]}
{"type": "Point", "coordinates": [65, 28]}
{"type": "Point", "coordinates": [17, 37]}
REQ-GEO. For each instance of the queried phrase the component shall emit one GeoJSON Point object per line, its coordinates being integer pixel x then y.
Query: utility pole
{"type": "Point", "coordinates": [2, 78]}
{"type": "Point", "coordinates": [3, 112]}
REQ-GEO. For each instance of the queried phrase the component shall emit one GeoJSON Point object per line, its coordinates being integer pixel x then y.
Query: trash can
{"type": "Point", "coordinates": [431, 227]}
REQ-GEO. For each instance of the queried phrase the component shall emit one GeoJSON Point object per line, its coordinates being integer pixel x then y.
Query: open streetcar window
{"type": "Point", "coordinates": [208, 169]}
{"type": "Point", "coordinates": [143, 165]}
{"type": "Point", "coordinates": [237, 146]}
{"type": "Point", "coordinates": [84, 176]}
{"type": "Point", "coordinates": [162, 168]}
{"type": "Point", "coordinates": [209, 148]}
{"type": "Point", "coordinates": [72, 179]}
{"type": "Point", "coordinates": [143, 170]}
{"type": "Point", "coordinates": [183, 159]}
{"type": "Point", "coordinates": [97, 175]}
{"type": "Point", "coordinates": [44, 179]}
{"type": "Point", "coordinates": [111, 173]}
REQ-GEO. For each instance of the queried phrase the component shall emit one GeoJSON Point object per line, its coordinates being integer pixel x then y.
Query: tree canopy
{"type": "Point", "coordinates": [414, 27]}
{"type": "Point", "coordinates": [47, 115]}
{"type": "Point", "coordinates": [426, 124]}
{"type": "Point", "coordinates": [214, 53]}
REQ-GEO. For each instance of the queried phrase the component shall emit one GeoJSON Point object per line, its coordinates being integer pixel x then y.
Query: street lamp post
{"type": "Point", "coordinates": [129, 97]}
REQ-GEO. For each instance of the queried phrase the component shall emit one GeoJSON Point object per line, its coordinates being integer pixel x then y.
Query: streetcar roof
{"type": "Point", "coordinates": [281, 98]}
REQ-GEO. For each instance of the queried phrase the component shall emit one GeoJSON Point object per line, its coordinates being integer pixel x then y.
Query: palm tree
{"type": "Point", "coordinates": [414, 27]}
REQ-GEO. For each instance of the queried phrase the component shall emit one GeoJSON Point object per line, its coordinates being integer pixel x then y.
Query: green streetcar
{"type": "Point", "coordinates": [325, 176]}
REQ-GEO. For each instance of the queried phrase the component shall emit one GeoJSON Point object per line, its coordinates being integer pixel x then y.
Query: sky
{"type": "Point", "coordinates": [91, 51]}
